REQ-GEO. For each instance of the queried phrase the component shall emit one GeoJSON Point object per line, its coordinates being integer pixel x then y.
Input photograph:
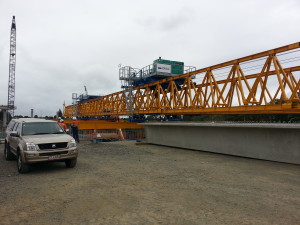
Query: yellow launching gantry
{"type": "Point", "coordinates": [263, 83]}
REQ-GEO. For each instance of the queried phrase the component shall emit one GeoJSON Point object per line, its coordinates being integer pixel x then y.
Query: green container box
{"type": "Point", "coordinates": [177, 67]}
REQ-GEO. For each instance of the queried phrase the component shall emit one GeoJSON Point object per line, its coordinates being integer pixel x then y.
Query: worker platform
{"type": "Point", "coordinates": [158, 70]}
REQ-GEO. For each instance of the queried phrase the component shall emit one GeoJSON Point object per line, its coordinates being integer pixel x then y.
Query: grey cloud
{"type": "Point", "coordinates": [59, 51]}
{"type": "Point", "coordinates": [166, 23]}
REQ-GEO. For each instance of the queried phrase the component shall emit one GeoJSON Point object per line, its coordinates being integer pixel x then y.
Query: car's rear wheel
{"type": "Point", "coordinates": [7, 153]}
{"type": "Point", "coordinates": [22, 167]}
{"type": "Point", "coordinates": [71, 163]}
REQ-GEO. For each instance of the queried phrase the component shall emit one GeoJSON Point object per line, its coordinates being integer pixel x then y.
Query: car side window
{"type": "Point", "coordinates": [16, 127]}
{"type": "Point", "coordinates": [11, 125]}
{"type": "Point", "coordinates": [19, 127]}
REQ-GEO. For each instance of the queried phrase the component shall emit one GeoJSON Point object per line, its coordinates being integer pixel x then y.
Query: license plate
{"type": "Point", "coordinates": [53, 157]}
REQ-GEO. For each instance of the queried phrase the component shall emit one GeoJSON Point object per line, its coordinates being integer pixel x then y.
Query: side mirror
{"type": "Point", "coordinates": [14, 134]}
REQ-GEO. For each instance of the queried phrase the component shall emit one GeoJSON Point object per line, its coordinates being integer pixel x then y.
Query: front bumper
{"type": "Point", "coordinates": [47, 155]}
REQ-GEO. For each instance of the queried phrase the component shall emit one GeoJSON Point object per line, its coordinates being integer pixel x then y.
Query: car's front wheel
{"type": "Point", "coordinates": [22, 167]}
{"type": "Point", "coordinates": [71, 163]}
{"type": "Point", "coordinates": [7, 153]}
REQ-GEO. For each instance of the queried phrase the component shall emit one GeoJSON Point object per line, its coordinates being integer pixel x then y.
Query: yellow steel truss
{"type": "Point", "coordinates": [272, 90]}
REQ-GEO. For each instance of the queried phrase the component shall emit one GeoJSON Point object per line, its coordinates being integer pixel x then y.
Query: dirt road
{"type": "Point", "coordinates": [124, 183]}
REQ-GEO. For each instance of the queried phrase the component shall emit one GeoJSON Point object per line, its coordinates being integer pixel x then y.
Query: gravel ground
{"type": "Point", "coordinates": [125, 183]}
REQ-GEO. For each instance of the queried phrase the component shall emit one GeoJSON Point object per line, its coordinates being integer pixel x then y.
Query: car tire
{"type": "Point", "coordinates": [22, 167]}
{"type": "Point", "coordinates": [71, 163]}
{"type": "Point", "coordinates": [7, 153]}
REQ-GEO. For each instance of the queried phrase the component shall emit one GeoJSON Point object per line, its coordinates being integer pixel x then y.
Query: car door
{"type": "Point", "coordinates": [9, 128]}
{"type": "Point", "coordinates": [14, 141]}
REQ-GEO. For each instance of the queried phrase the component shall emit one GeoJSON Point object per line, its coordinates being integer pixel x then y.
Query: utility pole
{"type": "Point", "coordinates": [12, 67]}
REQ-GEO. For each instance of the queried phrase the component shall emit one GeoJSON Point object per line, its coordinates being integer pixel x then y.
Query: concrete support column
{"type": "Point", "coordinates": [4, 117]}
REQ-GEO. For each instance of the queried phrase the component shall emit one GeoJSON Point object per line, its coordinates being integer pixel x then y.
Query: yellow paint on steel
{"type": "Point", "coordinates": [251, 93]}
{"type": "Point", "coordinates": [103, 124]}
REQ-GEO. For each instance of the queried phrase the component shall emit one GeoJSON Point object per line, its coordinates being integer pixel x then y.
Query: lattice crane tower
{"type": "Point", "coordinates": [12, 67]}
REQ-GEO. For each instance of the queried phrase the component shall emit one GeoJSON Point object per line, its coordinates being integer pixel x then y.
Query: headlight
{"type": "Point", "coordinates": [30, 147]}
{"type": "Point", "coordinates": [72, 144]}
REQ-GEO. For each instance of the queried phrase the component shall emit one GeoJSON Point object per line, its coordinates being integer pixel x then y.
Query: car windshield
{"type": "Point", "coordinates": [39, 128]}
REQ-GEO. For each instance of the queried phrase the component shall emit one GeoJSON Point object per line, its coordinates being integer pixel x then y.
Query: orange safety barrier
{"type": "Point", "coordinates": [103, 124]}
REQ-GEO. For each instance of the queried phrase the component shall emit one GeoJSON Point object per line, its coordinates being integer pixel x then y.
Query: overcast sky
{"type": "Point", "coordinates": [64, 45]}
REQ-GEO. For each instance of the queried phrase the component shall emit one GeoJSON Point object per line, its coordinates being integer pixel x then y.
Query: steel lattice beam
{"type": "Point", "coordinates": [274, 89]}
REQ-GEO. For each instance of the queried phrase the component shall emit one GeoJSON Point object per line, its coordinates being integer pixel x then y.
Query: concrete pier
{"type": "Point", "coordinates": [275, 142]}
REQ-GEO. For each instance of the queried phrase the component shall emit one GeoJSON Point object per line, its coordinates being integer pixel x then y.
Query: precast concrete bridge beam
{"type": "Point", "coordinates": [275, 142]}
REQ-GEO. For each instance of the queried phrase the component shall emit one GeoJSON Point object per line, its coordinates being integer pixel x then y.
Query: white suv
{"type": "Point", "coordinates": [37, 140]}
